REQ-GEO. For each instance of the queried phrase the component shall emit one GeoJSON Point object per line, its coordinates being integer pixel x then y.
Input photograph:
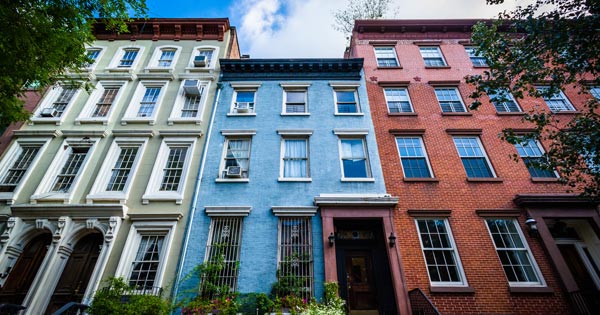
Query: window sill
{"type": "Point", "coordinates": [168, 196]}
{"type": "Point", "coordinates": [295, 114]}
{"type": "Point", "coordinates": [65, 198]}
{"type": "Point", "coordinates": [544, 179]}
{"type": "Point", "coordinates": [450, 289]}
{"type": "Point", "coordinates": [286, 179]}
{"type": "Point", "coordinates": [484, 179]}
{"type": "Point", "coordinates": [159, 69]}
{"type": "Point", "coordinates": [126, 121]}
{"type": "Point", "coordinates": [566, 112]}
{"type": "Point", "coordinates": [232, 180]}
{"type": "Point", "coordinates": [457, 114]}
{"type": "Point", "coordinates": [481, 67]}
{"type": "Point", "coordinates": [121, 70]}
{"type": "Point", "coordinates": [510, 113]}
{"type": "Point", "coordinates": [39, 120]}
{"type": "Point", "coordinates": [437, 67]}
{"type": "Point", "coordinates": [358, 180]}
{"type": "Point", "coordinates": [241, 114]}
{"type": "Point", "coordinates": [81, 121]}
{"type": "Point", "coordinates": [389, 68]}
{"type": "Point", "coordinates": [421, 179]}
{"type": "Point", "coordinates": [173, 121]}
{"type": "Point", "coordinates": [349, 114]}
{"type": "Point", "coordinates": [533, 290]}
{"type": "Point", "coordinates": [9, 197]}
{"type": "Point", "coordinates": [106, 197]}
{"type": "Point", "coordinates": [199, 69]}
{"type": "Point", "coordinates": [413, 114]}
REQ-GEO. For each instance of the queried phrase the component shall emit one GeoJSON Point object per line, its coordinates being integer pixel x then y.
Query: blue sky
{"type": "Point", "coordinates": [302, 28]}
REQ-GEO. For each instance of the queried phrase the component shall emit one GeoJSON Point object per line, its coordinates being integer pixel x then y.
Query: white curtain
{"type": "Point", "coordinates": [352, 149]}
{"type": "Point", "coordinates": [295, 158]}
{"type": "Point", "coordinates": [240, 149]}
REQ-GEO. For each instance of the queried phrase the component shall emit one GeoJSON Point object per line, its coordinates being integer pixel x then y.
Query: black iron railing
{"type": "Point", "coordinates": [585, 302]}
{"type": "Point", "coordinates": [420, 304]}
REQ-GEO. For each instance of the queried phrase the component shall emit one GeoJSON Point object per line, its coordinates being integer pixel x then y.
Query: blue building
{"type": "Point", "coordinates": [291, 181]}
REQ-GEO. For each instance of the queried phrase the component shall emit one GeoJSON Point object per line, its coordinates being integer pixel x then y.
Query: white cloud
{"type": "Point", "coordinates": [302, 28]}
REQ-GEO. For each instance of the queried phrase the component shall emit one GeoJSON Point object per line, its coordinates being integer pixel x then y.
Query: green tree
{"type": "Point", "coordinates": [41, 39]}
{"type": "Point", "coordinates": [360, 10]}
{"type": "Point", "coordinates": [555, 43]}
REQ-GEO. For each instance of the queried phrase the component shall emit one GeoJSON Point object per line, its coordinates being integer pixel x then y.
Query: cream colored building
{"type": "Point", "coordinates": [99, 183]}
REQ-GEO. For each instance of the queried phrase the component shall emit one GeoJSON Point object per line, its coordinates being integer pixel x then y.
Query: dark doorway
{"type": "Point", "coordinates": [25, 269]}
{"type": "Point", "coordinates": [363, 267]}
{"type": "Point", "coordinates": [76, 275]}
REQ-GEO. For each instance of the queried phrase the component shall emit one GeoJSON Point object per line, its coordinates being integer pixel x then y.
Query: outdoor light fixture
{"type": "Point", "coordinates": [331, 239]}
{"type": "Point", "coordinates": [532, 224]}
{"type": "Point", "coordinates": [392, 239]}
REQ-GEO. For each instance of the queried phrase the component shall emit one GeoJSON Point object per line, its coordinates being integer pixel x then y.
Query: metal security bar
{"type": "Point", "coordinates": [223, 255]}
{"type": "Point", "coordinates": [295, 273]}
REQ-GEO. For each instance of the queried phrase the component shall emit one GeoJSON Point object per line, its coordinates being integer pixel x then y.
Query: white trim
{"type": "Point", "coordinates": [102, 50]}
{"type": "Point", "coordinates": [369, 173]}
{"type": "Point", "coordinates": [344, 84]}
{"type": "Point", "coordinates": [176, 113]}
{"type": "Point", "coordinates": [293, 85]}
{"type": "Point", "coordinates": [153, 62]}
{"type": "Point", "coordinates": [482, 148]}
{"type": "Point", "coordinates": [130, 115]}
{"type": "Point", "coordinates": [238, 132]}
{"type": "Point", "coordinates": [227, 211]}
{"type": "Point", "coordinates": [113, 66]}
{"type": "Point", "coordinates": [346, 88]}
{"type": "Point", "coordinates": [233, 110]}
{"type": "Point", "coordinates": [350, 132]}
{"type": "Point", "coordinates": [213, 59]}
{"type": "Point", "coordinates": [393, 49]}
{"type": "Point", "coordinates": [303, 88]}
{"type": "Point", "coordinates": [88, 109]}
{"type": "Point", "coordinates": [293, 132]}
{"type": "Point", "coordinates": [153, 192]}
{"type": "Point", "coordinates": [408, 157]}
{"type": "Point", "coordinates": [387, 101]}
{"type": "Point", "coordinates": [98, 191]}
{"type": "Point", "coordinates": [290, 211]}
{"type": "Point", "coordinates": [246, 85]}
{"type": "Point", "coordinates": [439, 52]}
{"type": "Point", "coordinates": [48, 101]}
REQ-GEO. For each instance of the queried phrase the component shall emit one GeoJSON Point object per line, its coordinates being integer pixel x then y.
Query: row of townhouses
{"type": "Point", "coordinates": [367, 170]}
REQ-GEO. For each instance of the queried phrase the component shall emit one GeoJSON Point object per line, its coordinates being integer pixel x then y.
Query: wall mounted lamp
{"type": "Point", "coordinates": [532, 224]}
{"type": "Point", "coordinates": [392, 239]}
{"type": "Point", "coordinates": [331, 239]}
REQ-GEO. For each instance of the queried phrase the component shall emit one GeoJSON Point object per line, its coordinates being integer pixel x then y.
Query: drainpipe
{"type": "Point", "coordinates": [195, 197]}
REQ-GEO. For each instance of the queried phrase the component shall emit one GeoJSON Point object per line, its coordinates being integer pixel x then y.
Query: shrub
{"type": "Point", "coordinates": [119, 298]}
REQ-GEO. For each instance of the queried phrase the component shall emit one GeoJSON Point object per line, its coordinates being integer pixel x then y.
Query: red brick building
{"type": "Point", "coordinates": [463, 200]}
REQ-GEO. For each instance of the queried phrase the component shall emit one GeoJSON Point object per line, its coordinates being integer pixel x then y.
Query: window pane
{"type": "Point", "coordinates": [504, 102]}
{"type": "Point", "coordinates": [173, 169]}
{"type": "Point", "coordinates": [295, 158]}
{"type": "Point", "coordinates": [69, 171]}
{"type": "Point", "coordinates": [148, 102]}
{"type": "Point", "coordinates": [237, 155]}
{"type": "Point", "coordinates": [346, 102]}
{"type": "Point", "coordinates": [146, 262]}
{"type": "Point", "coordinates": [531, 154]}
{"type": "Point", "coordinates": [473, 158]}
{"type": "Point", "coordinates": [18, 168]}
{"type": "Point", "coordinates": [121, 169]}
{"type": "Point", "coordinates": [449, 100]}
{"type": "Point", "coordinates": [439, 251]}
{"type": "Point", "coordinates": [412, 156]}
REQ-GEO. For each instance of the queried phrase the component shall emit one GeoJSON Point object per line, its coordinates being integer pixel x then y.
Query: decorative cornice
{"type": "Point", "coordinates": [464, 131]}
{"type": "Point", "coordinates": [407, 132]}
{"type": "Point", "coordinates": [286, 69]}
{"type": "Point", "coordinates": [356, 200]}
{"type": "Point", "coordinates": [415, 26]}
{"type": "Point", "coordinates": [180, 133]}
{"type": "Point", "coordinates": [85, 133]}
{"type": "Point", "coordinates": [73, 211]}
{"type": "Point", "coordinates": [37, 133]}
{"type": "Point", "coordinates": [172, 216]}
{"type": "Point", "coordinates": [227, 211]}
{"type": "Point", "coordinates": [133, 133]}
{"type": "Point", "coordinates": [393, 83]}
{"type": "Point", "coordinates": [553, 200]}
{"type": "Point", "coordinates": [167, 29]}
{"type": "Point", "coordinates": [287, 211]}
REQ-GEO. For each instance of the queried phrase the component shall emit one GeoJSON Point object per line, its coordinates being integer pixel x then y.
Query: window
{"type": "Point", "coordinates": [386, 57]}
{"type": "Point", "coordinates": [118, 170]}
{"type": "Point", "coordinates": [101, 102]}
{"type": "Point", "coordinates": [125, 58]}
{"type": "Point", "coordinates": [294, 158]}
{"type": "Point", "coordinates": [398, 101]}
{"type": "Point", "coordinates": [145, 102]}
{"type": "Point", "coordinates": [55, 104]}
{"type": "Point", "coordinates": [473, 157]}
{"type": "Point", "coordinates": [439, 250]}
{"type": "Point", "coordinates": [353, 155]}
{"type": "Point", "coordinates": [295, 101]}
{"type": "Point", "coordinates": [557, 102]}
{"type": "Point", "coordinates": [413, 157]}
{"type": "Point", "coordinates": [432, 57]}
{"type": "Point", "coordinates": [450, 100]}
{"type": "Point", "coordinates": [164, 58]}
{"type": "Point", "coordinates": [167, 181]}
{"type": "Point", "coordinates": [65, 178]}
{"type": "Point", "coordinates": [504, 102]}
{"type": "Point", "coordinates": [345, 101]}
{"type": "Point", "coordinates": [531, 152]}
{"type": "Point", "coordinates": [224, 243]}
{"type": "Point", "coordinates": [203, 58]}
{"type": "Point", "coordinates": [94, 54]}
{"type": "Point", "coordinates": [189, 104]}
{"type": "Point", "coordinates": [476, 59]}
{"type": "Point", "coordinates": [243, 102]}
{"type": "Point", "coordinates": [146, 262]}
{"type": "Point", "coordinates": [128, 58]}
{"type": "Point", "coordinates": [595, 91]}
{"type": "Point", "coordinates": [207, 54]}
{"type": "Point", "coordinates": [17, 164]}
{"type": "Point", "coordinates": [514, 254]}
{"type": "Point", "coordinates": [236, 158]}
{"type": "Point", "coordinates": [295, 259]}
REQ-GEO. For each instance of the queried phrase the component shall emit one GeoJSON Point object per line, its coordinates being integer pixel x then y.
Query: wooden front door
{"type": "Point", "coordinates": [76, 275]}
{"type": "Point", "coordinates": [362, 295]}
{"type": "Point", "coordinates": [25, 269]}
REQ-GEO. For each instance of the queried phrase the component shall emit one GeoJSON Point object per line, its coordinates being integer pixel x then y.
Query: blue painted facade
{"type": "Point", "coordinates": [263, 190]}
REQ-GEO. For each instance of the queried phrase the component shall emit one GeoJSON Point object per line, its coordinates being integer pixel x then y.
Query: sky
{"type": "Point", "coordinates": [303, 28]}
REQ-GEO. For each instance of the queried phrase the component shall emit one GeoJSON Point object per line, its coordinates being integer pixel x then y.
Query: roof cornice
{"type": "Point", "coordinates": [277, 69]}
{"type": "Point", "coordinates": [420, 26]}
{"type": "Point", "coordinates": [167, 29]}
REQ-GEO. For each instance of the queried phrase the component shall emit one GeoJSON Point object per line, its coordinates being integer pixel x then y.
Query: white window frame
{"type": "Point", "coordinates": [233, 107]}
{"type": "Point", "coordinates": [43, 191]}
{"type": "Point", "coordinates": [381, 53]}
{"type": "Point", "coordinates": [346, 87]}
{"type": "Point", "coordinates": [295, 87]}
{"type": "Point", "coordinates": [48, 101]}
{"type": "Point", "coordinates": [503, 104]}
{"type": "Point", "coordinates": [86, 114]}
{"type": "Point", "coordinates": [294, 136]}
{"type": "Point", "coordinates": [487, 159]}
{"type": "Point", "coordinates": [595, 91]}
{"type": "Point", "coordinates": [213, 60]}
{"type": "Point", "coordinates": [10, 157]}
{"type": "Point", "coordinates": [153, 192]}
{"type": "Point", "coordinates": [235, 135]}
{"type": "Point", "coordinates": [558, 96]}
{"type": "Point", "coordinates": [450, 88]}
{"type": "Point", "coordinates": [425, 156]}
{"type": "Point", "coordinates": [135, 103]}
{"type": "Point", "coordinates": [98, 191]}
{"type": "Point", "coordinates": [536, 269]}
{"type": "Point", "coordinates": [354, 135]}
{"type": "Point", "coordinates": [453, 248]}
{"type": "Point", "coordinates": [538, 145]}
{"type": "Point", "coordinates": [153, 64]}
{"type": "Point", "coordinates": [438, 53]}
{"type": "Point", "coordinates": [93, 65]}
{"type": "Point", "coordinates": [176, 118]}
{"type": "Point", "coordinates": [139, 229]}
{"type": "Point", "coordinates": [387, 100]}
{"type": "Point", "coordinates": [113, 66]}
{"type": "Point", "coordinates": [472, 53]}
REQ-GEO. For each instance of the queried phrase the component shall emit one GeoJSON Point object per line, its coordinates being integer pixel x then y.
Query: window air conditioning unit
{"type": "Point", "coordinates": [234, 171]}
{"type": "Point", "coordinates": [242, 107]}
{"type": "Point", "coordinates": [200, 61]}
{"type": "Point", "coordinates": [192, 87]}
{"type": "Point", "coordinates": [49, 112]}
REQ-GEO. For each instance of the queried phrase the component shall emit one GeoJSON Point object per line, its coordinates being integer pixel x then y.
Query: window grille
{"type": "Point", "coordinates": [67, 175]}
{"type": "Point", "coordinates": [295, 272]}
{"type": "Point", "coordinates": [122, 168]}
{"type": "Point", "coordinates": [173, 169]}
{"type": "Point", "coordinates": [145, 265]}
{"type": "Point", "coordinates": [223, 252]}
{"type": "Point", "coordinates": [105, 102]}
{"type": "Point", "coordinates": [19, 168]}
